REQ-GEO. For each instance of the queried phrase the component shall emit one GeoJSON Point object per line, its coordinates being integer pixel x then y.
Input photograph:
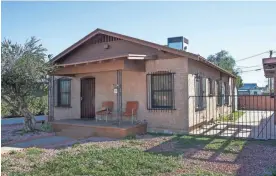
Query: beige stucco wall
{"type": "Point", "coordinates": [74, 111]}
{"type": "Point", "coordinates": [134, 89]}
{"type": "Point", "coordinates": [212, 111]}
{"type": "Point", "coordinates": [103, 90]}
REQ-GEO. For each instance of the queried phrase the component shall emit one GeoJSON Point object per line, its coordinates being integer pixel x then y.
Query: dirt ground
{"type": "Point", "coordinates": [197, 155]}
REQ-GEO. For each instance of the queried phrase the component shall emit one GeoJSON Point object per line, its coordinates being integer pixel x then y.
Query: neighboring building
{"type": "Point", "coordinates": [250, 89]}
{"type": "Point", "coordinates": [269, 65]}
{"type": "Point", "coordinates": [172, 86]}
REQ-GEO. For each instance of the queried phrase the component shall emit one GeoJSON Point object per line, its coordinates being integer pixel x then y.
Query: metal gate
{"type": "Point", "coordinates": [238, 116]}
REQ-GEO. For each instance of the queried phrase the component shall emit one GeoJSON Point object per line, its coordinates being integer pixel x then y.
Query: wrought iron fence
{"type": "Point", "coordinates": [241, 116]}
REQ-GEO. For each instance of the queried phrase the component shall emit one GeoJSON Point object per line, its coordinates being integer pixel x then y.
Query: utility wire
{"type": "Point", "coordinates": [258, 69]}
{"type": "Point", "coordinates": [248, 66]}
{"type": "Point", "coordinates": [253, 56]}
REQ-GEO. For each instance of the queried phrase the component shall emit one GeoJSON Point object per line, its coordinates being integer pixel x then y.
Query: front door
{"type": "Point", "coordinates": [88, 98]}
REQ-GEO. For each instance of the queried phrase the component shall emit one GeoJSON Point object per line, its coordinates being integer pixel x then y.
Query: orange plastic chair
{"type": "Point", "coordinates": [131, 110]}
{"type": "Point", "coordinates": [107, 108]}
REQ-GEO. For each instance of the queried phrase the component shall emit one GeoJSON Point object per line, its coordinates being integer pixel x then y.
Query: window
{"type": "Point", "coordinates": [211, 88]}
{"type": "Point", "coordinates": [226, 96]}
{"type": "Point", "coordinates": [160, 91]}
{"type": "Point", "coordinates": [200, 93]}
{"type": "Point", "coordinates": [219, 93]}
{"type": "Point", "coordinates": [227, 93]}
{"type": "Point", "coordinates": [64, 92]}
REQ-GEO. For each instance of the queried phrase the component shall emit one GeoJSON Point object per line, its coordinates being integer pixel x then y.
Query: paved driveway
{"type": "Point", "coordinates": [19, 120]}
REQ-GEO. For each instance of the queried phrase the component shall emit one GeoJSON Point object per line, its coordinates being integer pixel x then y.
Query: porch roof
{"type": "Point", "coordinates": [100, 60]}
{"type": "Point", "coordinates": [269, 65]}
{"type": "Point", "coordinates": [130, 62]}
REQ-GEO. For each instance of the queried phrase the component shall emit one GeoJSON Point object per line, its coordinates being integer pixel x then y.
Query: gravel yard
{"type": "Point", "coordinates": [14, 133]}
{"type": "Point", "coordinates": [186, 155]}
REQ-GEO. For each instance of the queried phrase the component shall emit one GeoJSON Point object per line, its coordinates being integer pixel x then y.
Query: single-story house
{"type": "Point", "coordinates": [250, 89]}
{"type": "Point", "coordinates": [172, 86]}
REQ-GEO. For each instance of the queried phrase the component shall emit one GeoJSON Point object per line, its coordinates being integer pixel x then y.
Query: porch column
{"type": "Point", "coordinates": [119, 95]}
{"type": "Point", "coordinates": [51, 99]}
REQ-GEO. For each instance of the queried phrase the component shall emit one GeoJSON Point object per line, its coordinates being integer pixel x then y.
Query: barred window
{"type": "Point", "coordinates": [64, 92]}
{"type": "Point", "coordinates": [219, 93]}
{"type": "Point", "coordinates": [227, 93]}
{"type": "Point", "coordinates": [160, 91]}
{"type": "Point", "coordinates": [200, 93]}
{"type": "Point", "coordinates": [223, 94]}
{"type": "Point", "coordinates": [211, 87]}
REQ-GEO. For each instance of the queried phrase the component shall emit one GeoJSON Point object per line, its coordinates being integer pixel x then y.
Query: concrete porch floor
{"type": "Point", "coordinates": [92, 122]}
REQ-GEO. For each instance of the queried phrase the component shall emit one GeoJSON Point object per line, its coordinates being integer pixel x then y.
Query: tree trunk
{"type": "Point", "coordinates": [29, 120]}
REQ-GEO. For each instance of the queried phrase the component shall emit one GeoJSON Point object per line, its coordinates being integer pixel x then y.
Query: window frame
{"type": "Point", "coordinates": [152, 90]}
{"type": "Point", "coordinates": [211, 90]}
{"type": "Point", "coordinates": [200, 98]}
{"type": "Point", "coordinates": [219, 92]}
{"type": "Point", "coordinates": [60, 92]}
{"type": "Point", "coordinates": [227, 93]}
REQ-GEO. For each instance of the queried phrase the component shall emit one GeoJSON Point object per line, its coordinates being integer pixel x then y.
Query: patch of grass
{"type": "Point", "coordinates": [19, 155]}
{"type": "Point", "coordinates": [204, 173]}
{"type": "Point", "coordinates": [187, 141]}
{"type": "Point", "coordinates": [271, 171]}
{"type": "Point", "coordinates": [231, 117]}
{"type": "Point", "coordinates": [12, 152]}
{"type": "Point", "coordinates": [47, 127]}
{"type": "Point", "coordinates": [5, 163]}
{"type": "Point", "coordinates": [33, 151]}
{"type": "Point", "coordinates": [226, 145]}
{"type": "Point", "coordinates": [112, 161]}
{"type": "Point", "coordinates": [160, 134]}
{"type": "Point", "coordinates": [132, 136]}
{"type": "Point", "coordinates": [76, 145]}
{"type": "Point", "coordinates": [134, 142]}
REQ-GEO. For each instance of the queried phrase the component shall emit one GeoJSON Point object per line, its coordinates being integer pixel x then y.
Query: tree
{"type": "Point", "coordinates": [224, 60]}
{"type": "Point", "coordinates": [24, 73]}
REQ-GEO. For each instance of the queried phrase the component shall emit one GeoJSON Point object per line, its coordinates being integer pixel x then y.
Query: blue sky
{"type": "Point", "coordinates": [242, 28]}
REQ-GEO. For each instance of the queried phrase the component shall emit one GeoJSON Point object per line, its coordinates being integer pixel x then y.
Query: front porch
{"type": "Point", "coordinates": [84, 128]}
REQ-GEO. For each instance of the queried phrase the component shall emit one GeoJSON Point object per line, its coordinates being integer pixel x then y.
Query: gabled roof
{"type": "Point", "coordinates": [141, 42]}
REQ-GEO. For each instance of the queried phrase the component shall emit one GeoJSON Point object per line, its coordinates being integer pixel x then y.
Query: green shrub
{"type": "Point", "coordinates": [47, 127]}
{"type": "Point", "coordinates": [38, 105]}
{"type": "Point", "coordinates": [6, 110]}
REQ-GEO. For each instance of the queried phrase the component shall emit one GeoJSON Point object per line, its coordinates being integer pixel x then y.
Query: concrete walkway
{"type": "Point", "coordinates": [46, 141]}
{"type": "Point", "coordinates": [19, 120]}
{"type": "Point", "coordinates": [41, 142]}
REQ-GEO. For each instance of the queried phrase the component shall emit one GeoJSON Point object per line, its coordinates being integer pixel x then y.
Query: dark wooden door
{"type": "Point", "coordinates": [88, 98]}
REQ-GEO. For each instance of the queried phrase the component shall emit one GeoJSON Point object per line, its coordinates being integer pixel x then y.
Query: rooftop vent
{"type": "Point", "coordinates": [180, 43]}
